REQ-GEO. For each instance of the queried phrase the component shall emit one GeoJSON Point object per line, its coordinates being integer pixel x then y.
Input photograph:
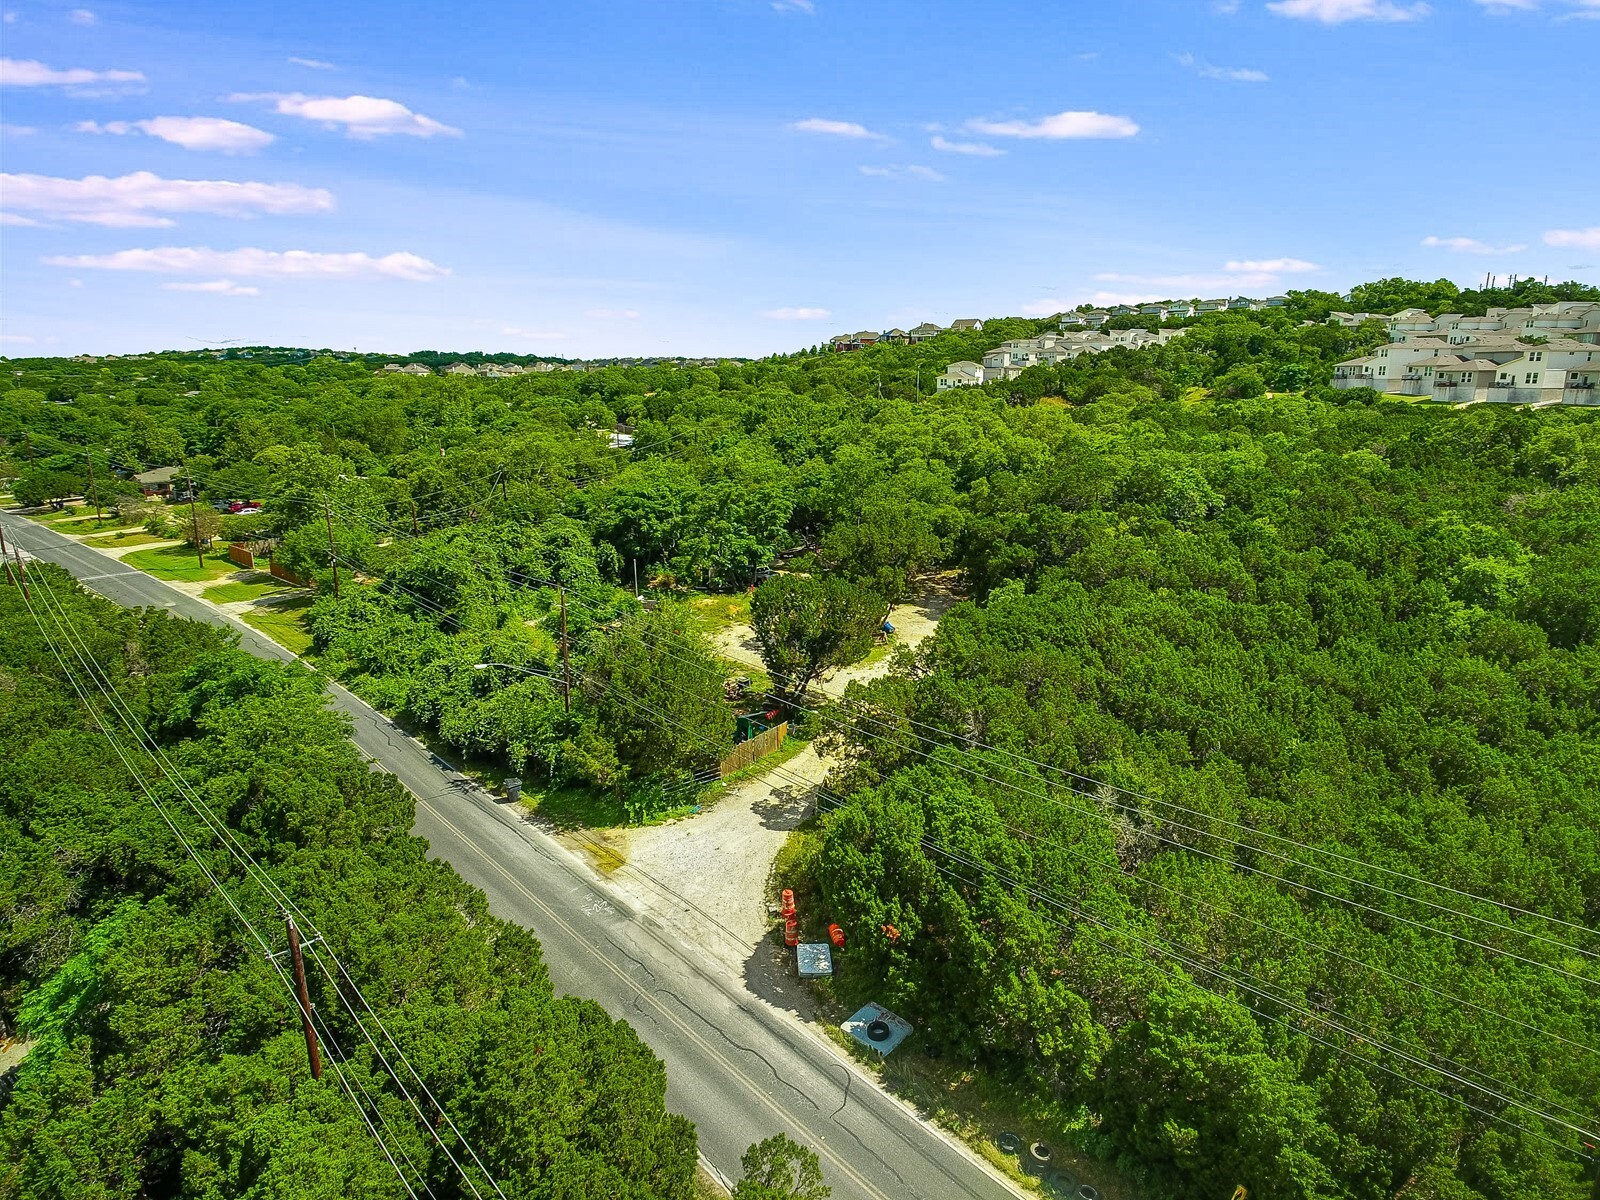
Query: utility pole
{"type": "Point", "coordinates": [194, 523]}
{"type": "Point", "coordinates": [301, 994]}
{"type": "Point", "coordinates": [635, 578]}
{"type": "Point", "coordinates": [22, 573]}
{"type": "Point", "coordinates": [327, 518]}
{"type": "Point", "coordinates": [28, 438]}
{"type": "Point", "coordinates": [415, 528]}
{"type": "Point", "coordinates": [93, 491]}
{"type": "Point", "coordinates": [566, 665]}
{"type": "Point", "coordinates": [5, 558]}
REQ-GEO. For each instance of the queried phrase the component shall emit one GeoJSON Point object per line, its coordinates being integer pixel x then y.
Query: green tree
{"type": "Point", "coordinates": [781, 1169]}
{"type": "Point", "coordinates": [805, 626]}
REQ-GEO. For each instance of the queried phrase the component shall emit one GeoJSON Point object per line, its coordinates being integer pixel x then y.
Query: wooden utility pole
{"type": "Point", "coordinates": [327, 517]}
{"type": "Point", "coordinates": [304, 998]}
{"type": "Point", "coordinates": [6, 558]}
{"type": "Point", "coordinates": [28, 438]}
{"type": "Point", "coordinates": [93, 491]}
{"type": "Point", "coordinates": [194, 523]}
{"type": "Point", "coordinates": [566, 665]}
{"type": "Point", "coordinates": [22, 573]}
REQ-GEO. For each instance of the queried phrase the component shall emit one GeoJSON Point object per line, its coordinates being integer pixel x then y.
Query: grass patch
{"type": "Point", "coordinates": [791, 748]}
{"type": "Point", "coordinates": [712, 614]}
{"type": "Point", "coordinates": [284, 623]}
{"type": "Point", "coordinates": [178, 562]}
{"type": "Point", "coordinates": [570, 807]}
{"type": "Point", "coordinates": [128, 537]}
{"type": "Point", "coordinates": [254, 588]}
{"type": "Point", "coordinates": [705, 1185]}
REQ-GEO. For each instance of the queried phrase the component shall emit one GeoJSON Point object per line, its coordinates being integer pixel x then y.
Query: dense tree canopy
{"type": "Point", "coordinates": [1243, 818]}
{"type": "Point", "coordinates": [166, 1056]}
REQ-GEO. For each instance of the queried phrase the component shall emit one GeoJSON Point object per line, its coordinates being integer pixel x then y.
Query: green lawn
{"type": "Point", "coordinates": [178, 562]}
{"type": "Point", "coordinates": [254, 588]}
{"type": "Point", "coordinates": [716, 612]}
{"type": "Point", "coordinates": [128, 537]}
{"type": "Point", "coordinates": [284, 623]}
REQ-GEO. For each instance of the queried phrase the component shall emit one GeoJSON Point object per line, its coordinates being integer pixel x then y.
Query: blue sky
{"type": "Point", "coordinates": [743, 176]}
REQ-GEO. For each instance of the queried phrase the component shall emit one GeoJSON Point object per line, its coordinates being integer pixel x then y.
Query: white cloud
{"type": "Point", "coordinates": [1229, 74]}
{"type": "Point", "coordinates": [252, 263]}
{"type": "Point", "coordinates": [1061, 125]}
{"type": "Point", "coordinates": [1271, 266]}
{"type": "Point", "coordinates": [18, 339]}
{"type": "Point", "coordinates": [1336, 12]}
{"type": "Point", "coordinates": [315, 64]}
{"type": "Point", "coordinates": [140, 199]}
{"type": "Point", "coordinates": [982, 149]}
{"type": "Point", "coordinates": [612, 314]}
{"type": "Point", "coordinates": [804, 6]}
{"type": "Point", "coordinates": [26, 72]}
{"type": "Point", "coordinates": [1252, 273]}
{"type": "Point", "coordinates": [844, 129]}
{"type": "Point", "coordinates": [14, 219]}
{"type": "Point", "coordinates": [797, 314]}
{"type": "Point", "coordinates": [17, 130]}
{"type": "Point", "coordinates": [82, 16]}
{"type": "Point", "coordinates": [192, 133]}
{"type": "Point", "coordinates": [361, 117]}
{"type": "Point", "coordinates": [533, 335]}
{"type": "Point", "coordinates": [1047, 307]}
{"type": "Point", "coordinates": [1582, 10]}
{"type": "Point", "coordinates": [1583, 239]}
{"type": "Point", "coordinates": [896, 171]}
{"type": "Point", "coordinates": [215, 287]}
{"type": "Point", "coordinates": [1468, 245]}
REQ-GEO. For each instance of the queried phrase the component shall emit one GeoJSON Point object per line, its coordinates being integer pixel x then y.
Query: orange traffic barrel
{"type": "Point", "coordinates": [836, 936]}
{"type": "Point", "coordinates": [791, 932]}
{"type": "Point", "coordinates": [787, 905]}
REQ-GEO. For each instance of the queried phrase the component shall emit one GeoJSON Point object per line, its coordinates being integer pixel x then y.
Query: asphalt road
{"type": "Point", "coordinates": [739, 1068]}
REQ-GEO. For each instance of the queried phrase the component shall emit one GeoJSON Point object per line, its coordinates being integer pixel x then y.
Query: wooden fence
{"type": "Point", "coordinates": [759, 746]}
{"type": "Point", "coordinates": [239, 554]}
{"type": "Point", "coordinates": [288, 576]}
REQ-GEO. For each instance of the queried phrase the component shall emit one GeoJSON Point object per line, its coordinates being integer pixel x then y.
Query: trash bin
{"type": "Point", "coordinates": [513, 788]}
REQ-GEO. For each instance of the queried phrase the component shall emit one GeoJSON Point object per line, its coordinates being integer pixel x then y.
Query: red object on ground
{"type": "Point", "coordinates": [836, 936]}
{"type": "Point", "coordinates": [791, 932]}
{"type": "Point", "coordinates": [891, 933]}
{"type": "Point", "coordinates": [787, 905]}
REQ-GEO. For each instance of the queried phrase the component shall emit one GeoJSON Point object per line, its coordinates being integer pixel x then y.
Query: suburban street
{"type": "Point", "coordinates": [738, 1065]}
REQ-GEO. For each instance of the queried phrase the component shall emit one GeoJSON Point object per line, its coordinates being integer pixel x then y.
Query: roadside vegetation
{"type": "Point", "coordinates": [1242, 815]}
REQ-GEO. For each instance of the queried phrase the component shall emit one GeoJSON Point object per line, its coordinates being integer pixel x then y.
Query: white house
{"type": "Point", "coordinates": [458, 368]}
{"type": "Point", "coordinates": [923, 332]}
{"type": "Point", "coordinates": [959, 374]}
{"type": "Point", "coordinates": [966, 325]}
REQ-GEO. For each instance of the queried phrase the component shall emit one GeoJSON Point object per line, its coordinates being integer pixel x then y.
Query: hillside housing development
{"type": "Point", "coordinates": [1545, 354]}
{"type": "Point", "coordinates": [1010, 359]}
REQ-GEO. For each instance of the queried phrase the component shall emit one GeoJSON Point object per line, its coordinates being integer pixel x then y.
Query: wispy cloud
{"type": "Point", "coordinates": [1253, 273]}
{"type": "Point", "coordinates": [1063, 125]}
{"type": "Point", "coordinates": [142, 199]}
{"type": "Point", "coordinates": [1466, 245]}
{"type": "Point", "coordinates": [252, 263]}
{"type": "Point", "coordinates": [1585, 239]}
{"type": "Point", "coordinates": [1336, 12]}
{"type": "Point", "coordinates": [844, 129]}
{"type": "Point", "coordinates": [800, 6]}
{"type": "Point", "coordinates": [361, 117]}
{"type": "Point", "coordinates": [82, 16]}
{"type": "Point", "coordinates": [1566, 10]}
{"type": "Point", "coordinates": [612, 314]}
{"type": "Point", "coordinates": [192, 133]}
{"type": "Point", "coordinates": [896, 171]}
{"type": "Point", "coordinates": [797, 314]}
{"type": "Point", "coordinates": [315, 64]}
{"type": "Point", "coordinates": [27, 72]}
{"type": "Point", "coordinates": [17, 130]}
{"type": "Point", "coordinates": [533, 335]}
{"type": "Point", "coordinates": [1230, 74]}
{"type": "Point", "coordinates": [214, 287]}
{"type": "Point", "coordinates": [982, 149]}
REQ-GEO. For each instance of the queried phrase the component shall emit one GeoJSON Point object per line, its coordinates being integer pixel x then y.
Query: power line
{"type": "Point", "coordinates": [263, 880]}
